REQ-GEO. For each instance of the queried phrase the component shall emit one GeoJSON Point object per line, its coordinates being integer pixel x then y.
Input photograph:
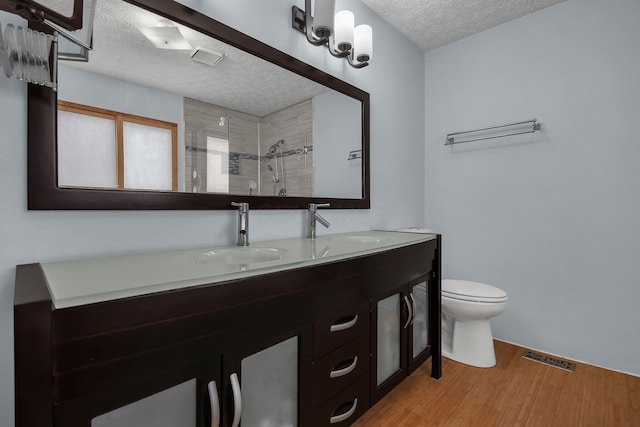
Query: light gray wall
{"type": "Point", "coordinates": [395, 80]}
{"type": "Point", "coordinates": [334, 131]}
{"type": "Point", "coordinates": [552, 218]}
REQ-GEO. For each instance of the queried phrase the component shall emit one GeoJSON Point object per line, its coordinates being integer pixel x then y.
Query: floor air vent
{"type": "Point", "coordinates": [548, 360]}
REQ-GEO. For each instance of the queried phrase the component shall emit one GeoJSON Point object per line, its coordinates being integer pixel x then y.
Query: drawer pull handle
{"type": "Point", "coordinates": [345, 325]}
{"type": "Point", "coordinates": [344, 371]}
{"type": "Point", "coordinates": [237, 399]}
{"type": "Point", "coordinates": [215, 404]}
{"type": "Point", "coordinates": [339, 418]}
{"type": "Point", "coordinates": [410, 312]}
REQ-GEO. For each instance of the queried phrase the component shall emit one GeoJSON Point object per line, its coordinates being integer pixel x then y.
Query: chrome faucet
{"type": "Point", "coordinates": [313, 217]}
{"type": "Point", "coordinates": [243, 223]}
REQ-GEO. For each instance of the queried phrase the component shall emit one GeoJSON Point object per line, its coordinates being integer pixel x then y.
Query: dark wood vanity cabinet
{"type": "Point", "coordinates": [316, 322]}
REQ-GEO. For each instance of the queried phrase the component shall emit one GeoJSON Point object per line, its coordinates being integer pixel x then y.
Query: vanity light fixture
{"type": "Point", "coordinates": [166, 36]}
{"type": "Point", "coordinates": [323, 26]}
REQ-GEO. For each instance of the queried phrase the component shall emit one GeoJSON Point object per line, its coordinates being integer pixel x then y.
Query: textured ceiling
{"type": "Point", "coordinates": [434, 23]}
{"type": "Point", "coordinates": [239, 82]}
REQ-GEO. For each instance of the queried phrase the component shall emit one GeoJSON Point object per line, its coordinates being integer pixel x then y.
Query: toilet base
{"type": "Point", "coordinates": [470, 343]}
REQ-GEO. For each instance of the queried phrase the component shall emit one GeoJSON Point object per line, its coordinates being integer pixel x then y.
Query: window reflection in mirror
{"type": "Point", "coordinates": [244, 126]}
{"type": "Point", "coordinates": [100, 148]}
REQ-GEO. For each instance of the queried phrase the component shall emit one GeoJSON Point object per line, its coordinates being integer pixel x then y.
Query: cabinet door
{"type": "Point", "coordinates": [390, 318]}
{"type": "Point", "coordinates": [418, 334]}
{"type": "Point", "coordinates": [261, 381]}
{"type": "Point", "coordinates": [168, 408]}
{"type": "Point", "coordinates": [178, 396]}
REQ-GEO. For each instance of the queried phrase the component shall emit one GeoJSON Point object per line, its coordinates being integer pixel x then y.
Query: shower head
{"type": "Point", "coordinates": [222, 119]}
{"type": "Point", "coordinates": [274, 175]}
{"type": "Point", "coordinates": [274, 147]}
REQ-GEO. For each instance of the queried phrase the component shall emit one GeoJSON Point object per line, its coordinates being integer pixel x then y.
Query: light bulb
{"type": "Point", "coordinates": [343, 26]}
{"type": "Point", "coordinates": [323, 15]}
{"type": "Point", "coordinates": [363, 43]}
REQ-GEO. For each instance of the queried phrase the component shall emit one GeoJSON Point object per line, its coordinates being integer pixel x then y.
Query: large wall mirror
{"type": "Point", "coordinates": [174, 110]}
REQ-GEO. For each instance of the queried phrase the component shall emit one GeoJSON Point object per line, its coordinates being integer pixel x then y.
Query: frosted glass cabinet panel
{"type": "Point", "coordinates": [403, 334]}
{"type": "Point", "coordinates": [421, 318]}
{"type": "Point", "coordinates": [388, 348]}
{"type": "Point", "coordinates": [269, 384]}
{"type": "Point", "coordinates": [173, 407]}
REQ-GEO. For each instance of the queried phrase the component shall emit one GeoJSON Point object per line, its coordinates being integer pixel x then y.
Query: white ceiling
{"type": "Point", "coordinates": [434, 23]}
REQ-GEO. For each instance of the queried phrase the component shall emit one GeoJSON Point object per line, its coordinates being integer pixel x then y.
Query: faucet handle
{"type": "Point", "coordinates": [313, 217]}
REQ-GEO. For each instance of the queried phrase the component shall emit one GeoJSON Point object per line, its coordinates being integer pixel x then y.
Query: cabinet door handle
{"type": "Point", "coordinates": [215, 404]}
{"type": "Point", "coordinates": [344, 371]}
{"type": "Point", "coordinates": [237, 399]}
{"type": "Point", "coordinates": [415, 307]}
{"type": "Point", "coordinates": [410, 310]}
{"type": "Point", "coordinates": [339, 418]}
{"type": "Point", "coordinates": [345, 325]}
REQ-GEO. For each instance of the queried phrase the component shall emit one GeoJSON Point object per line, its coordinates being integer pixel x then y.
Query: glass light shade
{"type": "Point", "coordinates": [343, 26]}
{"type": "Point", "coordinates": [363, 43]}
{"type": "Point", "coordinates": [323, 14]}
{"type": "Point", "coordinates": [166, 38]}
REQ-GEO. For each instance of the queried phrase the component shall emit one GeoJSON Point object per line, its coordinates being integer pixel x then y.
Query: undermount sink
{"type": "Point", "coordinates": [239, 256]}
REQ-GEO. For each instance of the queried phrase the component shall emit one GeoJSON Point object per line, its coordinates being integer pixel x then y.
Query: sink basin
{"type": "Point", "coordinates": [239, 256]}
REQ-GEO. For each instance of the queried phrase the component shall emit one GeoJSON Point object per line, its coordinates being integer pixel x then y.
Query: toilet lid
{"type": "Point", "coordinates": [472, 291]}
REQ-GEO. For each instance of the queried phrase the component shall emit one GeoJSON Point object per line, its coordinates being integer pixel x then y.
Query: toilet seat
{"type": "Point", "coordinates": [465, 290]}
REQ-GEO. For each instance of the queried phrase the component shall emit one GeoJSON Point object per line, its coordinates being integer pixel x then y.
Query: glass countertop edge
{"type": "Point", "coordinates": [60, 275]}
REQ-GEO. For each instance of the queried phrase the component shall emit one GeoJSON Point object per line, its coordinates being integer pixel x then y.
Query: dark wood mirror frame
{"type": "Point", "coordinates": [44, 193]}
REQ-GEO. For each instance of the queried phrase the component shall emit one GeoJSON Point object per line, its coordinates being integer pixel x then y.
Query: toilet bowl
{"type": "Point", "coordinates": [466, 332]}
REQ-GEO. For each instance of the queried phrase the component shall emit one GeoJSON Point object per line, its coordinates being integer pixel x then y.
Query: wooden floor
{"type": "Point", "coordinates": [516, 392]}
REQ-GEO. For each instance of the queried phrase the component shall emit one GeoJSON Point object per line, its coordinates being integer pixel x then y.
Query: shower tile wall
{"type": "Point", "coordinates": [294, 125]}
{"type": "Point", "coordinates": [250, 138]}
{"type": "Point", "coordinates": [202, 120]}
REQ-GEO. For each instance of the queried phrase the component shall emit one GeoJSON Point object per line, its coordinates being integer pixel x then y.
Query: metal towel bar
{"type": "Point", "coordinates": [533, 126]}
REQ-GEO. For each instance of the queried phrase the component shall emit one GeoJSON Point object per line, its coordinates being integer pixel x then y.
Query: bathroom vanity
{"type": "Point", "coordinates": [307, 332]}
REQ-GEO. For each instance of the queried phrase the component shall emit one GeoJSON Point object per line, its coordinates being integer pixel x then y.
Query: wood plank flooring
{"type": "Point", "coordinates": [516, 392]}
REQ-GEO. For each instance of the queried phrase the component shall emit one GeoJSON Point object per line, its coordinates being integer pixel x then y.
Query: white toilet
{"type": "Point", "coordinates": [466, 331]}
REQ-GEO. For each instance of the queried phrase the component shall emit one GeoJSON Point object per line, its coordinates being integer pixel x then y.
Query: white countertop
{"type": "Point", "coordinates": [74, 283]}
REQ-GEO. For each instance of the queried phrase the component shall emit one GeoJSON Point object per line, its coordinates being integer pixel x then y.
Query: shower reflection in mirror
{"type": "Point", "coordinates": [228, 151]}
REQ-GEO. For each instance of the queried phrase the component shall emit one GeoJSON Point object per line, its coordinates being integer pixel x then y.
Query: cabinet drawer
{"type": "Point", "coordinates": [344, 326]}
{"type": "Point", "coordinates": [345, 407]}
{"type": "Point", "coordinates": [339, 368]}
